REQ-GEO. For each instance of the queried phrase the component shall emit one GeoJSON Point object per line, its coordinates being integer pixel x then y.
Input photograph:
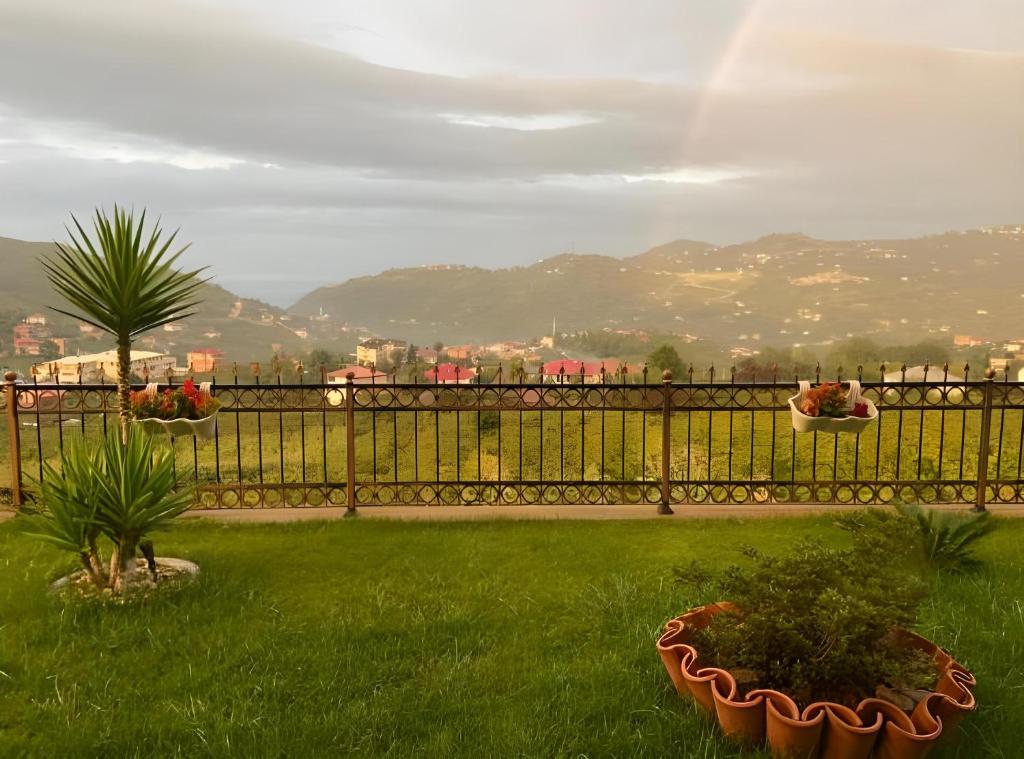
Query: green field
{"type": "Point", "coordinates": [759, 446]}
{"type": "Point", "coordinates": [415, 639]}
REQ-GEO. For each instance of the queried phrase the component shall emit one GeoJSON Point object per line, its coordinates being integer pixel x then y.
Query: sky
{"type": "Point", "coordinates": [306, 142]}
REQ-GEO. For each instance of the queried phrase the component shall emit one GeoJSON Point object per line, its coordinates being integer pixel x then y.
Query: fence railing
{"type": "Point", "coordinates": [945, 440]}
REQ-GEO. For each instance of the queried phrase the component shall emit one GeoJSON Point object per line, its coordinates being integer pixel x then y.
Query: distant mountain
{"type": "Point", "coordinates": [782, 289]}
{"type": "Point", "coordinates": [244, 329]}
{"type": "Point", "coordinates": [779, 290]}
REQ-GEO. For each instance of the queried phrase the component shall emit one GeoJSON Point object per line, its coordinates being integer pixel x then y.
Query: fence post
{"type": "Point", "coordinates": [666, 442]}
{"type": "Point", "coordinates": [350, 443]}
{"type": "Point", "coordinates": [13, 435]}
{"type": "Point", "coordinates": [983, 442]}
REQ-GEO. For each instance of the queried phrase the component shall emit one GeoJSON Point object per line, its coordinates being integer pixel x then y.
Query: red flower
{"type": "Point", "coordinates": [860, 409]}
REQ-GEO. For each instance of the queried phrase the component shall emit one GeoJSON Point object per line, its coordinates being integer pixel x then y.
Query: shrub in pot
{"type": "Point", "coordinates": [811, 653]}
{"type": "Point", "coordinates": [815, 624]}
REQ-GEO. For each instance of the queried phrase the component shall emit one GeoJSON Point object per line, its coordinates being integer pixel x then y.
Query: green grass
{"type": "Point", "coordinates": [444, 639]}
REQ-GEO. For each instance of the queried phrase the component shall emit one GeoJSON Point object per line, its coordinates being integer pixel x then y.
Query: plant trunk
{"type": "Point", "coordinates": [122, 565]}
{"type": "Point", "coordinates": [124, 370]}
{"type": "Point", "coordinates": [114, 576]}
{"type": "Point", "coordinates": [97, 577]}
{"type": "Point", "coordinates": [96, 565]}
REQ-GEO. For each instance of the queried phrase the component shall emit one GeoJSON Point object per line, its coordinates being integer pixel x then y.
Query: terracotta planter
{"type": "Point", "coordinates": [824, 729]}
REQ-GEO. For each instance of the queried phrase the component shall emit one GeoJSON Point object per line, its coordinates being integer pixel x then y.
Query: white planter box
{"type": "Point", "coordinates": [205, 428]}
{"type": "Point", "coordinates": [855, 424]}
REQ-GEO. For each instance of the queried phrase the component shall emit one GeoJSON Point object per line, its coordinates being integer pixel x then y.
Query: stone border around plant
{"type": "Point", "coordinates": [170, 571]}
{"type": "Point", "coordinates": [824, 729]}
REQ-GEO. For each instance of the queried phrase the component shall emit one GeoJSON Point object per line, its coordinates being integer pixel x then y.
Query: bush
{"type": "Point", "coordinates": [815, 624]}
{"type": "Point", "coordinates": [914, 536]}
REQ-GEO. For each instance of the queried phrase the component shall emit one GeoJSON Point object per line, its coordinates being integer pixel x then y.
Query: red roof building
{"type": "Point", "coordinates": [450, 374]}
{"type": "Point", "coordinates": [27, 346]}
{"type": "Point", "coordinates": [569, 370]}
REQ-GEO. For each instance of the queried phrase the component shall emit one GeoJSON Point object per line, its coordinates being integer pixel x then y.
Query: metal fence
{"type": "Point", "coordinates": [946, 440]}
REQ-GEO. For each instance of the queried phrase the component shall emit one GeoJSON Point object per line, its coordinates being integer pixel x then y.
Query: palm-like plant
{"type": "Point", "coordinates": [139, 494]}
{"type": "Point", "coordinates": [121, 491]}
{"type": "Point", "coordinates": [947, 539]}
{"type": "Point", "coordinates": [70, 498]}
{"type": "Point", "coordinates": [124, 283]}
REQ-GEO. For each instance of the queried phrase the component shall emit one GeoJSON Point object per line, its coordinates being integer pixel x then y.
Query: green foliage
{"type": "Point", "coordinates": [815, 623]}
{"type": "Point", "coordinates": [321, 357]}
{"type": "Point", "coordinates": [71, 498]}
{"type": "Point", "coordinates": [605, 344]}
{"type": "Point", "coordinates": [666, 357]}
{"type": "Point", "coordinates": [122, 283]}
{"type": "Point", "coordinates": [947, 539]}
{"type": "Point", "coordinates": [140, 492]}
{"type": "Point", "coordinates": [919, 537]}
{"type": "Point", "coordinates": [119, 490]}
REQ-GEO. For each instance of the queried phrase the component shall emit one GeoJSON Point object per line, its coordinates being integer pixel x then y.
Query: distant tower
{"type": "Point", "coordinates": [549, 341]}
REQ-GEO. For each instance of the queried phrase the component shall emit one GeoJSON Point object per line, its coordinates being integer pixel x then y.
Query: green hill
{"type": "Point", "coordinates": [778, 290]}
{"type": "Point", "coordinates": [244, 329]}
{"type": "Point", "coordinates": [781, 290]}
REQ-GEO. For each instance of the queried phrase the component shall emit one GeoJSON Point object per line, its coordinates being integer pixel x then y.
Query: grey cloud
{"type": "Point", "coordinates": [835, 135]}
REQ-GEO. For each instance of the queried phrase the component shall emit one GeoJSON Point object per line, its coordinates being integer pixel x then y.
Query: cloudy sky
{"type": "Point", "coordinates": [303, 142]}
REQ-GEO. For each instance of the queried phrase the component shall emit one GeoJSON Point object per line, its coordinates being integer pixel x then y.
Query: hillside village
{"type": "Point", "coordinates": [727, 304]}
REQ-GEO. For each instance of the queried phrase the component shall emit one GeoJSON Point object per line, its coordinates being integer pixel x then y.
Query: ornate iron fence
{"type": "Point", "coordinates": [560, 442]}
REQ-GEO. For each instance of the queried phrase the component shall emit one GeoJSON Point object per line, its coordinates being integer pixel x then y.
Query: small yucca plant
{"type": "Point", "coordinates": [947, 540]}
{"type": "Point", "coordinates": [121, 491]}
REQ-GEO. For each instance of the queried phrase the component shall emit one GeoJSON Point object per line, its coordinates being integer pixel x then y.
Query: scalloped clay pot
{"type": "Point", "coordinates": [824, 729]}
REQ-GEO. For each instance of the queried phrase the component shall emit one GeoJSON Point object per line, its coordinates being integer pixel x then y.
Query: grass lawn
{"type": "Point", "coordinates": [425, 639]}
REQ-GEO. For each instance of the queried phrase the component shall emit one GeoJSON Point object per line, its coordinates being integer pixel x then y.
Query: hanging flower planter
{"type": "Point", "coordinates": [179, 412]}
{"type": "Point", "coordinates": [830, 408]}
{"type": "Point", "coordinates": [824, 729]}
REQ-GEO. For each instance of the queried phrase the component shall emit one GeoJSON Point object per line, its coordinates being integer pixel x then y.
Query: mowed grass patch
{"type": "Point", "coordinates": [401, 639]}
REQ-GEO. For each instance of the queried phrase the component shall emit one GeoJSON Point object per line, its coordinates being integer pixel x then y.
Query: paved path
{"type": "Point", "coordinates": [599, 513]}
{"type": "Point", "coordinates": [466, 513]}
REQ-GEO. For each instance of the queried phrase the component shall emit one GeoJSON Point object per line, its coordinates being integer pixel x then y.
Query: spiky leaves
{"type": "Point", "coordinates": [124, 282]}
{"type": "Point", "coordinates": [71, 500]}
{"type": "Point", "coordinates": [121, 491]}
{"type": "Point", "coordinates": [140, 494]}
{"type": "Point", "coordinates": [947, 540]}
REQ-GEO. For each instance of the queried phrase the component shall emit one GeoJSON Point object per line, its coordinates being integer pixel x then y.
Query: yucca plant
{"type": "Point", "coordinates": [947, 540]}
{"type": "Point", "coordinates": [125, 283]}
{"type": "Point", "coordinates": [121, 491]}
{"type": "Point", "coordinates": [70, 498]}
